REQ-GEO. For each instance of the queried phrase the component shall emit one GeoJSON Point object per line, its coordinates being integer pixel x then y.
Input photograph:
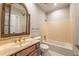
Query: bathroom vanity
{"type": "Point", "coordinates": [30, 47]}
{"type": "Point", "coordinates": [32, 50]}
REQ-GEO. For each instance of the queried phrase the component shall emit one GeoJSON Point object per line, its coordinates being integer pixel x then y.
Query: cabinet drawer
{"type": "Point", "coordinates": [26, 51]}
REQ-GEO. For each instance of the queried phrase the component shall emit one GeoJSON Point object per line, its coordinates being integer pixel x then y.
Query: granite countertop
{"type": "Point", "coordinates": [12, 47]}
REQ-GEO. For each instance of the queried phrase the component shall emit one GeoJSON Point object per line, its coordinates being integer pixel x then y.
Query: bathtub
{"type": "Point", "coordinates": [65, 49]}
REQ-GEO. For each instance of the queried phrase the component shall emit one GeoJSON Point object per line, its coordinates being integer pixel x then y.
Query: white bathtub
{"type": "Point", "coordinates": [60, 47]}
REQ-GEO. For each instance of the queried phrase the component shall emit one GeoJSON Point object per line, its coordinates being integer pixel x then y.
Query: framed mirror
{"type": "Point", "coordinates": [15, 20]}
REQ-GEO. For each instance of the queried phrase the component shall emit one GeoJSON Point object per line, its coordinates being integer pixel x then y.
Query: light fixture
{"type": "Point", "coordinates": [55, 4]}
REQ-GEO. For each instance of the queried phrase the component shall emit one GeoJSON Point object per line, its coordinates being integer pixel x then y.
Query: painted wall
{"type": "Point", "coordinates": [37, 18]}
{"type": "Point", "coordinates": [74, 19]}
{"type": "Point", "coordinates": [58, 26]}
{"type": "Point", "coordinates": [74, 15]}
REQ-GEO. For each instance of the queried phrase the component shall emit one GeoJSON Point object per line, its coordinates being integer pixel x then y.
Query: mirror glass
{"type": "Point", "coordinates": [6, 23]}
{"type": "Point", "coordinates": [17, 19]}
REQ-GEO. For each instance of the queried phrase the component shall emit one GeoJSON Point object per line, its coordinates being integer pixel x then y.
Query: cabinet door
{"type": "Point", "coordinates": [26, 51]}
{"type": "Point", "coordinates": [35, 53]}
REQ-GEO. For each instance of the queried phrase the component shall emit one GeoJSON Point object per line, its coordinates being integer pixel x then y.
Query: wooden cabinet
{"type": "Point", "coordinates": [33, 50]}
{"type": "Point", "coordinates": [35, 53]}
{"type": "Point", "coordinates": [26, 51]}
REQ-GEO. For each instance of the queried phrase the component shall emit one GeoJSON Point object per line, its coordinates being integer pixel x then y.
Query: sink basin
{"type": "Point", "coordinates": [17, 45]}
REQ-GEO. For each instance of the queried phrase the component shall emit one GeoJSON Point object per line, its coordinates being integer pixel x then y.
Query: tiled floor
{"type": "Point", "coordinates": [53, 53]}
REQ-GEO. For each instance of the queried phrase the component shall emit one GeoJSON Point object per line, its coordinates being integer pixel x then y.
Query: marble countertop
{"type": "Point", "coordinates": [12, 47]}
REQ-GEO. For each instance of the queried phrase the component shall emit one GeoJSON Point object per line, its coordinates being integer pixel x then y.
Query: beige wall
{"type": "Point", "coordinates": [37, 18]}
{"type": "Point", "coordinates": [75, 23]}
{"type": "Point", "coordinates": [75, 20]}
{"type": "Point", "coordinates": [58, 26]}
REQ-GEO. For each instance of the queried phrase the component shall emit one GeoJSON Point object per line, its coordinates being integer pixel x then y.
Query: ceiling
{"type": "Point", "coordinates": [49, 7]}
